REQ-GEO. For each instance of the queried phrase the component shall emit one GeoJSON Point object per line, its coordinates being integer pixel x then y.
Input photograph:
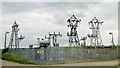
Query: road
{"type": "Point", "coordinates": [100, 63]}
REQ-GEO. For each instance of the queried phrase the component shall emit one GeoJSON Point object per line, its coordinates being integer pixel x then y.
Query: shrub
{"type": "Point", "coordinates": [5, 50]}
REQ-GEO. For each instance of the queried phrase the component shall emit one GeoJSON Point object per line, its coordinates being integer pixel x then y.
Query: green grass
{"type": "Point", "coordinates": [6, 55]}
{"type": "Point", "coordinates": [0, 56]}
{"type": "Point", "coordinates": [117, 65]}
{"type": "Point", "coordinates": [16, 58]}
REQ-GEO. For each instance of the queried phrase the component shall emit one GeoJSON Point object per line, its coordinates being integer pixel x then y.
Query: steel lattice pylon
{"type": "Point", "coordinates": [95, 37]}
{"type": "Point", "coordinates": [73, 35]}
{"type": "Point", "coordinates": [14, 39]}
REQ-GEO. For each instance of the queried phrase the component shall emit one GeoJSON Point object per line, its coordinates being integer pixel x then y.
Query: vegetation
{"type": "Point", "coordinates": [118, 46]}
{"type": "Point", "coordinates": [110, 47]}
{"type": "Point", "coordinates": [117, 65]}
{"type": "Point", "coordinates": [16, 58]}
{"type": "Point", "coordinates": [5, 50]}
{"type": "Point", "coordinates": [0, 55]}
{"type": "Point", "coordinates": [6, 55]}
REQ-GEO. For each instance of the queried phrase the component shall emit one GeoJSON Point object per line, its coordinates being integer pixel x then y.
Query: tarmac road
{"type": "Point", "coordinates": [99, 63]}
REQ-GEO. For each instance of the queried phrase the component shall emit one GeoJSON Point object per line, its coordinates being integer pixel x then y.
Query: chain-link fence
{"type": "Point", "coordinates": [66, 54]}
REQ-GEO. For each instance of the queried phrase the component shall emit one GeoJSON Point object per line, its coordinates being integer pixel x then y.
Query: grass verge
{"type": "Point", "coordinates": [16, 58]}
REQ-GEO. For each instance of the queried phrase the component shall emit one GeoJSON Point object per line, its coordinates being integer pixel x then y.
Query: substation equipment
{"type": "Point", "coordinates": [95, 37]}
{"type": "Point", "coordinates": [14, 39]}
{"type": "Point", "coordinates": [83, 39]}
{"type": "Point", "coordinates": [44, 43]}
{"type": "Point", "coordinates": [45, 52]}
{"type": "Point", "coordinates": [72, 34]}
{"type": "Point", "coordinates": [47, 40]}
{"type": "Point", "coordinates": [54, 36]}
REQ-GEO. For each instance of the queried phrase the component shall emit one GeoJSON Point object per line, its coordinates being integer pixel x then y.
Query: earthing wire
{"type": "Point", "coordinates": [83, 12]}
{"type": "Point", "coordinates": [98, 4]}
{"type": "Point", "coordinates": [110, 12]}
{"type": "Point", "coordinates": [89, 8]}
{"type": "Point", "coordinates": [100, 17]}
{"type": "Point", "coordinates": [108, 16]}
{"type": "Point", "coordinates": [92, 9]}
{"type": "Point", "coordinates": [113, 12]}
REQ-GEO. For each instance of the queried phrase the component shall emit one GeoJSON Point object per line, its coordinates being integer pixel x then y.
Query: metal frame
{"type": "Point", "coordinates": [95, 37]}
{"type": "Point", "coordinates": [14, 39]}
{"type": "Point", "coordinates": [73, 35]}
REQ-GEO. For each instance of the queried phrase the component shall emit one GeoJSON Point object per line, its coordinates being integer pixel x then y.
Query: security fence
{"type": "Point", "coordinates": [53, 55]}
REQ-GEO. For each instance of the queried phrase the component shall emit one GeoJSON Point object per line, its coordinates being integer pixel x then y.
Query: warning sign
{"type": "Point", "coordinates": [40, 51]}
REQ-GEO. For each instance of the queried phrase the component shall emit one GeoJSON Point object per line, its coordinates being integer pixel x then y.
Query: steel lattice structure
{"type": "Point", "coordinates": [73, 35]}
{"type": "Point", "coordinates": [14, 39]}
{"type": "Point", "coordinates": [84, 41]}
{"type": "Point", "coordinates": [54, 37]}
{"type": "Point", "coordinates": [95, 37]}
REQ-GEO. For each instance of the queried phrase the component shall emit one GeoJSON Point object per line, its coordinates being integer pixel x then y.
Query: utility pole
{"type": "Point", "coordinates": [5, 39]}
{"type": "Point", "coordinates": [112, 39]}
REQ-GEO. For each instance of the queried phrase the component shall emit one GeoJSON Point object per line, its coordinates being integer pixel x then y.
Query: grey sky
{"type": "Point", "coordinates": [36, 19]}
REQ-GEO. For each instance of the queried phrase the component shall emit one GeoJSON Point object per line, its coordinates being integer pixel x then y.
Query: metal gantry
{"type": "Point", "coordinates": [54, 36]}
{"type": "Point", "coordinates": [73, 35]}
{"type": "Point", "coordinates": [95, 37]}
{"type": "Point", "coordinates": [46, 41]}
{"type": "Point", "coordinates": [84, 41]}
{"type": "Point", "coordinates": [14, 39]}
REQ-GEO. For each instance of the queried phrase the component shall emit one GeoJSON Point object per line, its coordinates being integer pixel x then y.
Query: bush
{"type": "Point", "coordinates": [16, 58]}
{"type": "Point", "coordinates": [5, 50]}
{"type": "Point", "coordinates": [117, 65]}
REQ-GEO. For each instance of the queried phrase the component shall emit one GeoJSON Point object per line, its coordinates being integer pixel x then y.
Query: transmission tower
{"type": "Point", "coordinates": [73, 35]}
{"type": "Point", "coordinates": [95, 37]}
{"type": "Point", "coordinates": [54, 37]}
{"type": "Point", "coordinates": [14, 39]}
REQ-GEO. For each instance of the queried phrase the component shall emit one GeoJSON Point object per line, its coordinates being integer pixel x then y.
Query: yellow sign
{"type": "Point", "coordinates": [40, 51]}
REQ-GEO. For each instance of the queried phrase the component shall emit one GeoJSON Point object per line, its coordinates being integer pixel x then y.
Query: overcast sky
{"type": "Point", "coordinates": [36, 19]}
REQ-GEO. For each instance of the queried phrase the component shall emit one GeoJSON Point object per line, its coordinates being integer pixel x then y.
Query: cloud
{"type": "Point", "coordinates": [59, 0]}
{"type": "Point", "coordinates": [37, 19]}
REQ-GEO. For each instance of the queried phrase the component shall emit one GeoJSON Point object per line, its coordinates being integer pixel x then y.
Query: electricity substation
{"type": "Point", "coordinates": [49, 51]}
